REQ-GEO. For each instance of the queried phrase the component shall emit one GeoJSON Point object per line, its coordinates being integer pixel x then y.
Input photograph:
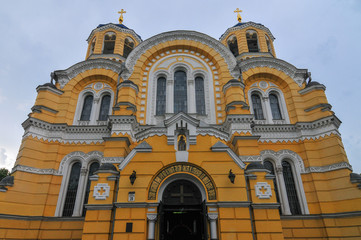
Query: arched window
{"type": "Point", "coordinates": [257, 107]}
{"type": "Point", "coordinates": [291, 188]}
{"type": "Point", "coordinates": [269, 166]}
{"type": "Point", "coordinates": [104, 108]}
{"type": "Point", "coordinates": [92, 46]}
{"type": "Point", "coordinates": [233, 45]}
{"type": "Point", "coordinates": [161, 96]}
{"type": "Point", "coordinates": [87, 108]}
{"type": "Point", "coordinates": [252, 41]}
{"type": "Point", "coordinates": [180, 92]}
{"type": "Point", "coordinates": [268, 42]}
{"type": "Point", "coordinates": [200, 102]}
{"type": "Point", "coordinates": [72, 190]}
{"type": "Point", "coordinates": [128, 47]}
{"type": "Point", "coordinates": [109, 43]}
{"type": "Point", "coordinates": [275, 107]}
{"type": "Point", "coordinates": [93, 168]}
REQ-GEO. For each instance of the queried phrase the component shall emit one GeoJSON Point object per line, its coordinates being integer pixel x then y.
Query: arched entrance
{"type": "Point", "coordinates": [182, 213]}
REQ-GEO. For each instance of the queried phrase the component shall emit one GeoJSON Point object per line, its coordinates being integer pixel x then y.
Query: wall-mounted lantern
{"type": "Point", "coordinates": [231, 176]}
{"type": "Point", "coordinates": [133, 177]}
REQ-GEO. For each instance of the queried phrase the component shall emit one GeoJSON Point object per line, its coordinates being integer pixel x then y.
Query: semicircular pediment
{"type": "Point", "coordinates": [182, 35]}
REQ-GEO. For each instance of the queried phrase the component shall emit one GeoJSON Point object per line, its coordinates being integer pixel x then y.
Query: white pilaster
{"type": "Point", "coordinates": [78, 205]}
{"type": "Point", "coordinates": [212, 217]}
{"type": "Point", "coordinates": [285, 207]}
{"type": "Point", "coordinates": [191, 96]}
{"type": "Point", "coordinates": [152, 218]}
{"type": "Point", "coordinates": [267, 108]}
{"type": "Point", "coordinates": [169, 96]}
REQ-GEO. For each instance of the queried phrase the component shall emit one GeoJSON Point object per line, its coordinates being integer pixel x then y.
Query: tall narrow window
{"type": "Point", "coordinates": [72, 190]}
{"type": "Point", "coordinates": [291, 189]}
{"type": "Point", "coordinates": [128, 47]}
{"type": "Point", "coordinates": [257, 107]}
{"type": "Point", "coordinates": [233, 45]}
{"type": "Point", "coordinates": [268, 42]}
{"type": "Point", "coordinates": [92, 46]}
{"type": "Point", "coordinates": [252, 41]}
{"type": "Point", "coordinates": [109, 43]}
{"type": "Point", "coordinates": [180, 92]}
{"type": "Point", "coordinates": [269, 166]}
{"type": "Point", "coordinates": [161, 96]}
{"type": "Point", "coordinates": [93, 168]}
{"type": "Point", "coordinates": [104, 108]}
{"type": "Point", "coordinates": [87, 108]}
{"type": "Point", "coordinates": [275, 107]}
{"type": "Point", "coordinates": [200, 102]}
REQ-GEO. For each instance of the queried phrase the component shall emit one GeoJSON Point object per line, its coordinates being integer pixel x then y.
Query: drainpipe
{"type": "Point", "coordinates": [250, 209]}
{"type": "Point", "coordinates": [114, 208]}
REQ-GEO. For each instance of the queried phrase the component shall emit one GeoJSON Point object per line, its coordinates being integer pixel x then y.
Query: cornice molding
{"type": "Point", "coordinates": [64, 133]}
{"type": "Point", "coordinates": [246, 25]}
{"type": "Point", "coordinates": [181, 35]}
{"type": "Point", "coordinates": [116, 28]}
{"type": "Point", "coordinates": [64, 76]}
{"type": "Point", "coordinates": [298, 75]}
{"type": "Point", "coordinates": [328, 168]}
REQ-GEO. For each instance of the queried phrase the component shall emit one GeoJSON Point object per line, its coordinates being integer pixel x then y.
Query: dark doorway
{"type": "Point", "coordinates": [182, 212]}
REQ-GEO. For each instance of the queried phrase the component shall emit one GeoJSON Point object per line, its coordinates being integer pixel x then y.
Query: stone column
{"type": "Point", "coordinates": [152, 218]}
{"type": "Point", "coordinates": [191, 97]}
{"type": "Point", "coordinates": [267, 108]}
{"type": "Point", "coordinates": [212, 217]}
{"type": "Point", "coordinates": [80, 193]}
{"type": "Point", "coordinates": [169, 99]}
{"type": "Point", "coordinates": [285, 207]}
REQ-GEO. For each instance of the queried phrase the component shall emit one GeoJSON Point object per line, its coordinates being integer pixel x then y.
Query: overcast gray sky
{"type": "Point", "coordinates": [38, 37]}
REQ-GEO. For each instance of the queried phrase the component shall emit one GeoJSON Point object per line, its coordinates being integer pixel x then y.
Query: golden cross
{"type": "Point", "coordinates": [239, 18]}
{"type": "Point", "coordinates": [121, 16]}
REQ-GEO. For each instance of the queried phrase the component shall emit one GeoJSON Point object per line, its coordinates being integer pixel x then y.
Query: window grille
{"type": "Point", "coordinates": [233, 45]}
{"type": "Point", "coordinates": [257, 107]}
{"type": "Point", "coordinates": [161, 96]}
{"type": "Point", "coordinates": [275, 107]}
{"type": "Point", "coordinates": [87, 108]}
{"type": "Point", "coordinates": [252, 41]}
{"type": "Point", "coordinates": [180, 92]}
{"type": "Point", "coordinates": [72, 190]}
{"type": "Point", "coordinates": [104, 108]}
{"type": "Point", "coordinates": [200, 102]}
{"type": "Point", "coordinates": [269, 166]}
{"type": "Point", "coordinates": [109, 43]}
{"type": "Point", "coordinates": [128, 47]}
{"type": "Point", "coordinates": [291, 189]}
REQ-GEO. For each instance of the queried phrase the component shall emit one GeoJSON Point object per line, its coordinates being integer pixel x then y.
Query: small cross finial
{"type": "Point", "coordinates": [239, 18]}
{"type": "Point", "coordinates": [121, 16]}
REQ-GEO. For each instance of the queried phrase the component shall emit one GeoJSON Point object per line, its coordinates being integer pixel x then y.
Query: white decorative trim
{"type": "Point", "coordinates": [115, 28]}
{"type": "Point", "coordinates": [181, 35]}
{"type": "Point", "coordinates": [298, 75]}
{"type": "Point", "coordinates": [99, 196]}
{"type": "Point", "coordinates": [64, 133]}
{"type": "Point", "coordinates": [298, 168]}
{"type": "Point", "coordinates": [97, 98]}
{"type": "Point", "coordinates": [22, 168]}
{"type": "Point", "coordinates": [188, 64]}
{"type": "Point", "coordinates": [252, 158]}
{"type": "Point", "coordinates": [263, 190]}
{"type": "Point", "coordinates": [246, 25]}
{"type": "Point", "coordinates": [64, 76]}
{"type": "Point", "coordinates": [221, 147]}
{"type": "Point", "coordinates": [143, 147]}
{"type": "Point", "coordinates": [328, 168]}
{"type": "Point", "coordinates": [84, 158]}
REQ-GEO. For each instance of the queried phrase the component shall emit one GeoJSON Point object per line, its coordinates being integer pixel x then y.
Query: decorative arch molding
{"type": "Point", "coordinates": [298, 75]}
{"type": "Point", "coordinates": [181, 35]}
{"type": "Point", "coordinates": [84, 158]}
{"type": "Point", "coordinates": [171, 171]}
{"type": "Point", "coordinates": [246, 25]}
{"type": "Point", "coordinates": [278, 157]}
{"type": "Point", "coordinates": [64, 76]}
{"type": "Point", "coordinates": [115, 28]}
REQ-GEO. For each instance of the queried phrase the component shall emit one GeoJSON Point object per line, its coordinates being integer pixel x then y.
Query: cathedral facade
{"type": "Point", "coordinates": [181, 136]}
